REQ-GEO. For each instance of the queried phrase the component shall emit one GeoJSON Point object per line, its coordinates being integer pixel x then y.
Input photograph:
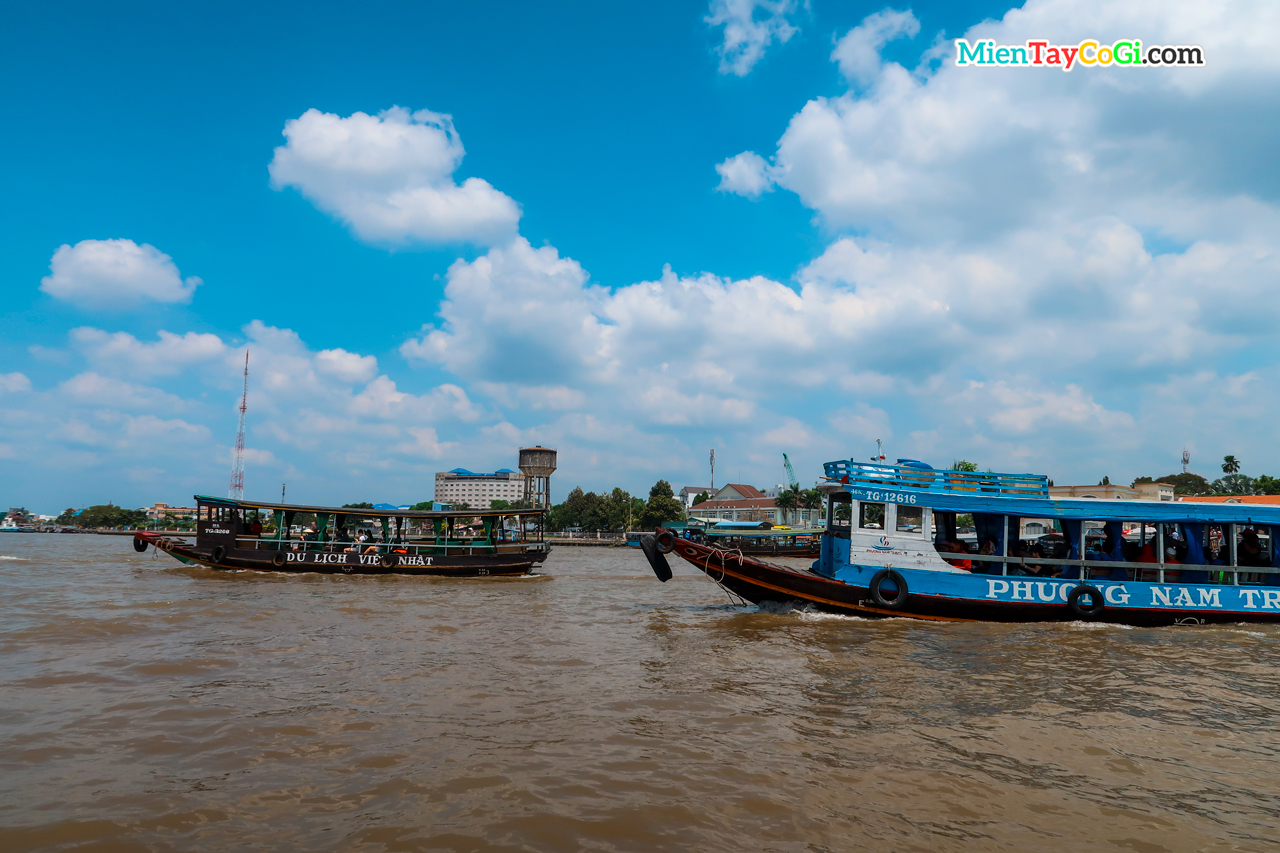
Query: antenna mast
{"type": "Point", "coordinates": [1186, 460]}
{"type": "Point", "coordinates": [713, 470]}
{"type": "Point", "coordinates": [237, 468]}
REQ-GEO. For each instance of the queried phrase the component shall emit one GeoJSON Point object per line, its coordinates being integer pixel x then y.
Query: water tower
{"type": "Point", "coordinates": [537, 465]}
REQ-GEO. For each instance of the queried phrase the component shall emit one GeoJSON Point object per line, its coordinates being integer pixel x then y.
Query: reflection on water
{"type": "Point", "coordinates": [144, 706]}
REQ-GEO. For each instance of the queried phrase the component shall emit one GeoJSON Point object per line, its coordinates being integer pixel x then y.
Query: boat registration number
{"type": "Point", "coordinates": [885, 496]}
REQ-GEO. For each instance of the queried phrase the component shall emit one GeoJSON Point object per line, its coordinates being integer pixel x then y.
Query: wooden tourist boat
{"type": "Point", "coordinates": [760, 538]}
{"type": "Point", "coordinates": [449, 543]}
{"type": "Point", "coordinates": [898, 554]}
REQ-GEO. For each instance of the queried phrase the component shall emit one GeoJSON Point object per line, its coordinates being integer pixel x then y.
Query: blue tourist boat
{"type": "Point", "coordinates": [892, 547]}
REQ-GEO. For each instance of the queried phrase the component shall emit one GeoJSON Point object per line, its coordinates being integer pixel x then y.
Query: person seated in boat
{"type": "Point", "coordinates": [1018, 550]}
{"type": "Point", "coordinates": [1034, 550]}
{"type": "Point", "coordinates": [255, 526]}
{"type": "Point", "coordinates": [953, 547]}
{"type": "Point", "coordinates": [1171, 559]}
{"type": "Point", "coordinates": [1249, 552]}
{"type": "Point", "coordinates": [370, 543]}
{"type": "Point", "coordinates": [988, 548]}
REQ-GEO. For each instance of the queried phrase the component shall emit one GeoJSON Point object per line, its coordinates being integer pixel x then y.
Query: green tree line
{"type": "Point", "coordinates": [1232, 482]}
{"type": "Point", "coordinates": [615, 510]}
{"type": "Point", "coordinates": [103, 515]}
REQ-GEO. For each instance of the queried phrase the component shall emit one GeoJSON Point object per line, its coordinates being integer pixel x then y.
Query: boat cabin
{"type": "Point", "coordinates": [912, 515]}
{"type": "Point", "coordinates": [300, 530]}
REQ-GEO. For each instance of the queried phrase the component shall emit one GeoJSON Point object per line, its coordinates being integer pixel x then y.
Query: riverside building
{"type": "Point", "coordinates": [479, 491]}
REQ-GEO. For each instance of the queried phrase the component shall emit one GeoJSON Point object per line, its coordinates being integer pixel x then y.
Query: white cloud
{"type": "Point", "coordinates": [14, 382]}
{"type": "Point", "coordinates": [346, 366]}
{"type": "Point", "coordinates": [168, 355]}
{"type": "Point", "coordinates": [115, 274]}
{"type": "Point", "coordinates": [963, 154]}
{"type": "Point", "coordinates": [745, 174]}
{"type": "Point", "coordinates": [390, 177]}
{"type": "Point", "coordinates": [150, 428]}
{"type": "Point", "coordinates": [424, 444]}
{"type": "Point", "coordinates": [94, 390]}
{"type": "Point", "coordinates": [858, 53]}
{"type": "Point", "coordinates": [750, 27]}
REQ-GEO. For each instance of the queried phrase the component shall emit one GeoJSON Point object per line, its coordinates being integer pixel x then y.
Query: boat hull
{"type": "Point", "coordinates": [350, 563]}
{"type": "Point", "coordinates": [965, 597]}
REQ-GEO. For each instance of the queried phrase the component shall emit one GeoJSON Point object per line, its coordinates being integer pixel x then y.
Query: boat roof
{"type": "Point", "coordinates": [1024, 495]}
{"type": "Point", "coordinates": [365, 512]}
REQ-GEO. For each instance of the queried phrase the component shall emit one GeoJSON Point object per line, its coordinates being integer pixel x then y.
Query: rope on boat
{"type": "Point", "coordinates": [734, 599]}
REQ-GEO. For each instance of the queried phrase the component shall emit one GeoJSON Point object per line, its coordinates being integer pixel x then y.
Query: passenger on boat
{"type": "Point", "coordinates": [344, 538]}
{"type": "Point", "coordinates": [954, 547]}
{"type": "Point", "coordinates": [1035, 549]}
{"type": "Point", "coordinates": [1249, 552]}
{"type": "Point", "coordinates": [1017, 549]}
{"type": "Point", "coordinates": [255, 527]}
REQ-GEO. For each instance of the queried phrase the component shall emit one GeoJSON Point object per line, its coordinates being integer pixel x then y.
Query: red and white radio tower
{"type": "Point", "coordinates": [237, 469]}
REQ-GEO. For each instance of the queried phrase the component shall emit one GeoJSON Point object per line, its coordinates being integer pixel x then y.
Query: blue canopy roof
{"type": "Point", "coordinates": [1023, 495]}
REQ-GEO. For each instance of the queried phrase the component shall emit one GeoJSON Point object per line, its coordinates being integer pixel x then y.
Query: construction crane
{"type": "Point", "coordinates": [791, 474]}
{"type": "Point", "coordinates": [237, 467]}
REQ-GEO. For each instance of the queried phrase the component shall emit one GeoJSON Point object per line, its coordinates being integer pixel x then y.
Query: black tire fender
{"type": "Point", "coordinates": [666, 541]}
{"type": "Point", "coordinates": [218, 554]}
{"type": "Point", "coordinates": [657, 561]}
{"type": "Point", "coordinates": [139, 545]}
{"type": "Point", "coordinates": [1086, 612]}
{"type": "Point", "coordinates": [387, 562]}
{"type": "Point", "coordinates": [278, 559]}
{"type": "Point", "coordinates": [877, 596]}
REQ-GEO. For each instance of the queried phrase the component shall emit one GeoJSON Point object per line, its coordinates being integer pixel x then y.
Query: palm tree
{"type": "Point", "coordinates": [787, 503]}
{"type": "Point", "coordinates": [811, 499]}
{"type": "Point", "coordinates": [1230, 465]}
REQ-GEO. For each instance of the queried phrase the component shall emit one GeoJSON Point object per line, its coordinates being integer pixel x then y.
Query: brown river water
{"type": "Point", "coordinates": [145, 706]}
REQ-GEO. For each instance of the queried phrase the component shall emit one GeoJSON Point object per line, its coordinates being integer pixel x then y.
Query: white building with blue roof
{"type": "Point", "coordinates": [479, 491]}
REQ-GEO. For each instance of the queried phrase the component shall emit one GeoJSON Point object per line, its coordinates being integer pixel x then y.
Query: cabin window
{"type": "Point", "coordinates": [871, 516]}
{"type": "Point", "coordinates": [910, 520]}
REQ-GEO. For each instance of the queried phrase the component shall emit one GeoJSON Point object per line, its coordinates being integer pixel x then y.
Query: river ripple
{"type": "Point", "coordinates": [145, 706]}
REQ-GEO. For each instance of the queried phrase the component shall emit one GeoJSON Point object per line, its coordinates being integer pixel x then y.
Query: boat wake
{"type": "Point", "coordinates": [13, 559]}
{"type": "Point", "coordinates": [807, 612]}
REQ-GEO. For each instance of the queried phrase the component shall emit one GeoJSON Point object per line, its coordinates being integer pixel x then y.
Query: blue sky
{"type": "Point", "coordinates": [1072, 274]}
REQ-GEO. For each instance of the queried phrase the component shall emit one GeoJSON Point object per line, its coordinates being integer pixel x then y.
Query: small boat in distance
{"type": "Point", "coordinates": [761, 538]}
{"type": "Point", "coordinates": [891, 548]}
{"type": "Point", "coordinates": [448, 543]}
